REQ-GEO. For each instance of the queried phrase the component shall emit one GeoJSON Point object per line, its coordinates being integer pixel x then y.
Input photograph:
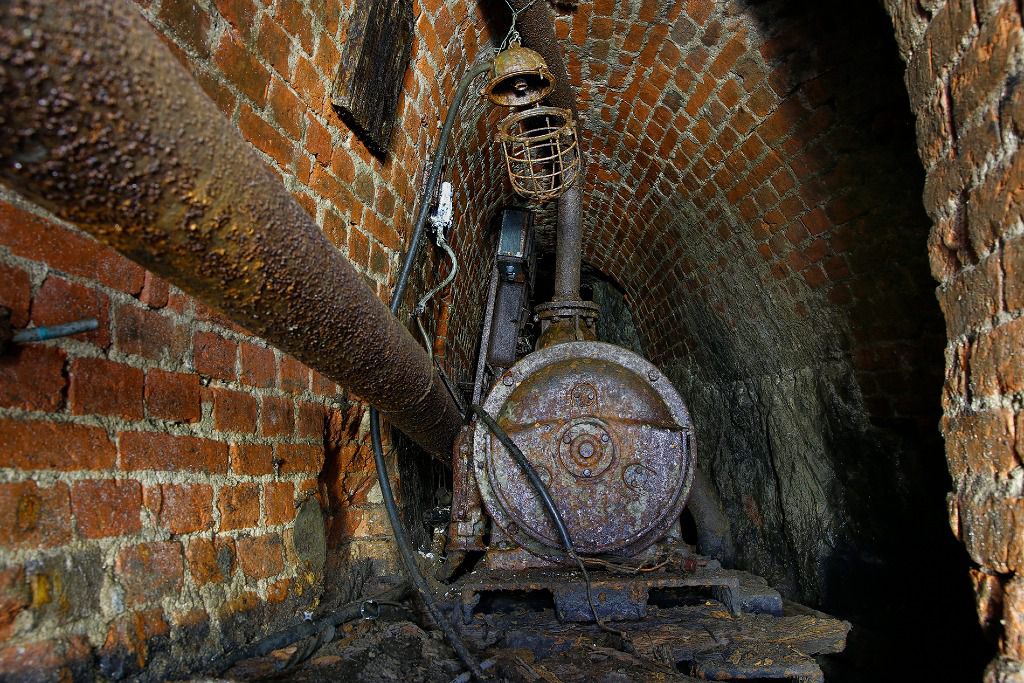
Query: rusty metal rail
{"type": "Point", "coordinates": [101, 125]}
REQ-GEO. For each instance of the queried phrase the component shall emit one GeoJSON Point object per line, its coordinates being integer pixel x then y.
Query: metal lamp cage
{"type": "Point", "coordinates": [540, 151]}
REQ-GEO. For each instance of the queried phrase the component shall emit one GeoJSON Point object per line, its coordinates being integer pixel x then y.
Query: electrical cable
{"type": "Point", "coordinates": [627, 568]}
{"type": "Point", "coordinates": [549, 505]}
{"type": "Point", "coordinates": [513, 35]}
{"type": "Point", "coordinates": [408, 556]}
{"type": "Point", "coordinates": [304, 629]}
{"type": "Point", "coordinates": [432, 178]}
{"type": "Point", "coordinates": [405, 550]}
{"type": "Point", "coordinates": [421, 306]}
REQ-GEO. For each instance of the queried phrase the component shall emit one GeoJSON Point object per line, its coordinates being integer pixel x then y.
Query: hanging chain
{"type": "Point", "coordinates": [513, 37]}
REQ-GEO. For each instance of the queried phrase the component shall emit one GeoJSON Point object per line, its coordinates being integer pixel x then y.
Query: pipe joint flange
{"type": "Point", "coordinates": [557, 310]}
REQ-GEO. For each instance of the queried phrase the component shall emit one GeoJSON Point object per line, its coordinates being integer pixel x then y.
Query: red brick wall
{"type": "Point", "coordinates": [164, 456]}
{"type": "Point", "coordinates": [964, 67]}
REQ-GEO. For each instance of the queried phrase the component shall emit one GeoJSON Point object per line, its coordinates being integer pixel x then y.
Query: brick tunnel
{"type": "Point", "coordinates": [806, 215]}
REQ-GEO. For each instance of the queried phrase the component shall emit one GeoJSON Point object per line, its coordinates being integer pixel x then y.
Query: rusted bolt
{"type": "Point", "coordinates": [605, 438]}
{"type": "Point", "coordinates": [567, 437]}
{"type": "Point", "coordinates": [586, 449]}
{"type": "Point", "coordinates": [652, 375]}
{"type": "Point", "coordinates": [507, 380]}
{"type": "Point", "coordinates": [586, 472]}
{"type": "Point", "coordinates": [544, 474]}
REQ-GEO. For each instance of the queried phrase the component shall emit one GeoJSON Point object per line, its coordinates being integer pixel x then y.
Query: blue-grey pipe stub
{"type": "Point", "coordinates": [35, 334]}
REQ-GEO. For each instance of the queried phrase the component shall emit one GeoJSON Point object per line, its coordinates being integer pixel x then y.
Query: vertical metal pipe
{"type": "Point", "coordinates": [536, 25]}
{"type": "Point", "coordinates": [714, 535]}
{"type": "Point", "coordinates": [101, 125]}
{"type": "Point", "coordinates": [569, 244]}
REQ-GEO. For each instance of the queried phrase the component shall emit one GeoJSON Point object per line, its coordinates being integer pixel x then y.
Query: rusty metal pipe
{"type": "Point", "coordinates": [101, 125]}
{"type": "Point", "coordinates": [536, 25]}
{"type": "Point", "coordinates": [569, 245]}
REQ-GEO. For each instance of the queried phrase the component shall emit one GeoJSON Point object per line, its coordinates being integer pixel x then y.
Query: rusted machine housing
{"type": "Point", "coordinates": [515, 280]}
{"type": "Point", "coordinates": [609, 436]}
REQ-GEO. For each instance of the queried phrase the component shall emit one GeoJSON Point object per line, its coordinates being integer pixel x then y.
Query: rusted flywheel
{"type": "Point", "coordinates": [608, 434]}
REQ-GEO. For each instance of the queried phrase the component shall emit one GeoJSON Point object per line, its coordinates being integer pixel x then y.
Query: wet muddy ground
{"type": "Point", "coordinates": [696, 639]}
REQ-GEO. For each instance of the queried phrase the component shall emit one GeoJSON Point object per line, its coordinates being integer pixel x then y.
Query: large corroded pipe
{"type": "Point", "coordinates": [536, 25]}
{"type": "Point", "coordinates": [102, 126]}
{"type": "Point", "coordinates": [569, 244]}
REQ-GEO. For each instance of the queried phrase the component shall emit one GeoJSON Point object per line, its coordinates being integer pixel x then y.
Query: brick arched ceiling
{"type": "Point", "coordinates": [742, 173]}
{"type": "Point", "coordinates": [741, 177]}
{"type": "Point", "coordinates": [752, 183]}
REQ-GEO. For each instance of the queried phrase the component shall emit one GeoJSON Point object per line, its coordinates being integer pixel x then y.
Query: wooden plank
{"type": "Point", "coordinates": [373, 63]}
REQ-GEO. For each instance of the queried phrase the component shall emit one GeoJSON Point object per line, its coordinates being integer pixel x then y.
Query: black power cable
{"type": "Point", "coordinates": [408, 556]}
{"type": "Point", "coordinates": [435, 175]}
{"type": "Point", "coordinates": [405, 550]}
{"type": "Point", "coordinates": [549, 505]}
{"type": "Point", "coordinates": [304, 629]}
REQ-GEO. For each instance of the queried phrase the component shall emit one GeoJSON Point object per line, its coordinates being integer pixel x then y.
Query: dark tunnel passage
{"type": "Point", "coordinates": [771, 264]}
